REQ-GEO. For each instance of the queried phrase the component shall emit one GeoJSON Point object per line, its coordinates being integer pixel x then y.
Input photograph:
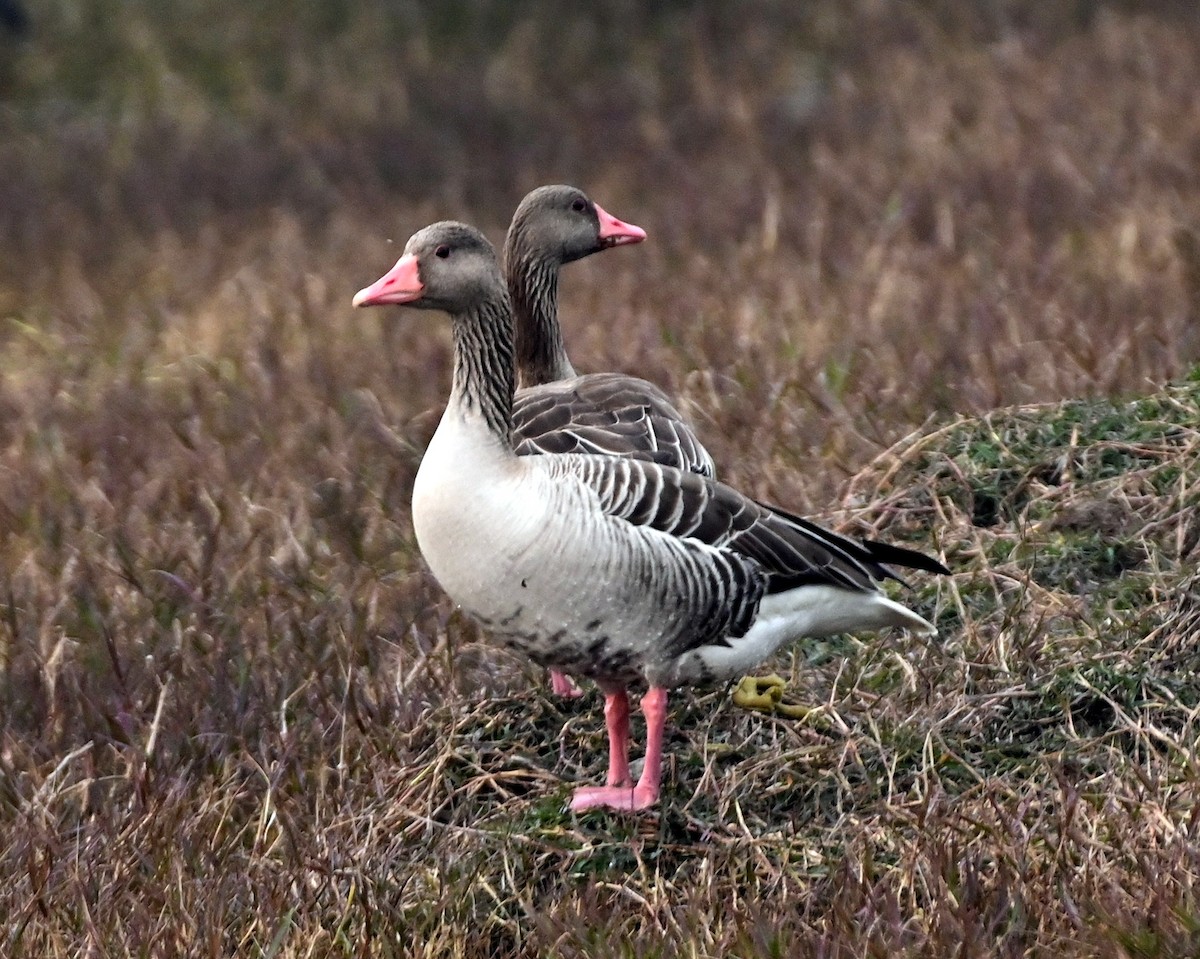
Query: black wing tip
{"type": "Point", "coordinates": [901, 556]}
{"type": "Point", "coordinates": [864, 551]}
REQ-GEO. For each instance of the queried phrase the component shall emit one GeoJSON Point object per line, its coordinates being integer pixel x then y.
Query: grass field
{"type": "Point", "coordinates": [928, 271]}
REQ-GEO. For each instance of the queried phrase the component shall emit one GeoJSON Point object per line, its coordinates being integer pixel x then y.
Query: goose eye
{"type": "Point", "coordinates": [442, 252]}
{"type": "Point", "coordinates": [578, 205]}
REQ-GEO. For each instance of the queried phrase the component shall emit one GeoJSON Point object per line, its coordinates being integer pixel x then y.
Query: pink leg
{"type": "Point", "coordinates": [616, 716]}
{"type": "Point", "coordinates": [645, 793]}
{"type": "Point", "coordinates": [562, 685]}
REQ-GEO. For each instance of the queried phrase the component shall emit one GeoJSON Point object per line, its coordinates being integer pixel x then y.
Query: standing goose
{"type": "Point", "coordinates": [555, 410]}
{"type": "Point", "coordinates": [622, 570]}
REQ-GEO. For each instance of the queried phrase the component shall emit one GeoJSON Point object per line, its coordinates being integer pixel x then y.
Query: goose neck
{"type": "Point", "coordinates": [533, 286]}
{"type": "Point", "coordinates": [483, 366]}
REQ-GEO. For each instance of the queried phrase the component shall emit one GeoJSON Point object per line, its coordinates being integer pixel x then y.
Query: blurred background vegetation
{"type": "Point", "coordinates": [863, 214]}
{"type": "Point", "coordinates": [1009, 183]}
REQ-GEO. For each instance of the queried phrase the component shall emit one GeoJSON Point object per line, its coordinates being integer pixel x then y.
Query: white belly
{"type": "Point", "coordinates": [530, 558]}
{"type": "Point", "coordinates": [473, 532]}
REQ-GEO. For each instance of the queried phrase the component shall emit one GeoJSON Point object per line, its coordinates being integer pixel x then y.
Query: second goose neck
{"type": "Point", "coordinates": [533, 285]}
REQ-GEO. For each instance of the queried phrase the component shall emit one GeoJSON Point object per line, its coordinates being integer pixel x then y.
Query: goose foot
{"type": "Point", "coordinates": [562, 685]}
{"type": "Point", "coordinates": [765, 694]}
{"type": "Point", "coordinates": [618, 794]}
{"type": "Point", "coordinates": [620, 798]}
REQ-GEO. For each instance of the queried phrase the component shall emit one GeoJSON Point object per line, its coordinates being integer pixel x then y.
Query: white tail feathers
{"type": "Point", "coordinates": [905, 618]}
{"type": "Point", "coordinates": [826, 610]}
{"type": "Point", "coordinates": [807, 611]}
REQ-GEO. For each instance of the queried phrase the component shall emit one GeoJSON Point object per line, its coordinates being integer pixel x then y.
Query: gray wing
{"type": "Point", "coordinates": [789, 550]}
{"type": "Point", "coordinates": [609, 414]}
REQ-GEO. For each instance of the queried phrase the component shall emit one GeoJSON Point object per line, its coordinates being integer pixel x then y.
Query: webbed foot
{"type": "Point", "coordinates": [620, 798]}
{"type": "Point", "coordinates": [563, 685]}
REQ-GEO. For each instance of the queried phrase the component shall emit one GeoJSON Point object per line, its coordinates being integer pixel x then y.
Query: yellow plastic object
{"type": "Point", "coordinates": [765, 694]}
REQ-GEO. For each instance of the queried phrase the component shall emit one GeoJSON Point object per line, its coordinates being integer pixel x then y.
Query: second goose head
{"type": "Point", "coordinates": [562, 224]}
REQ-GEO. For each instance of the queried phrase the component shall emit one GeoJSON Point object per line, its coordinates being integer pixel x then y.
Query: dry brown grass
{"type": "Point", "coordinates": [236, 717]}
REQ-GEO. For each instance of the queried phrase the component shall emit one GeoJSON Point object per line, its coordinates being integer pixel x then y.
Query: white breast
{"type": "Point", "coordinates": [474, 517]}
{"type": "Point", "coordinates": [532, 557]}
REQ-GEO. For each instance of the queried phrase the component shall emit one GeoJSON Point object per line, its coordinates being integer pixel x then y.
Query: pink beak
{"type": "Point", "coordinates": [401, 284]}
{"type": "Point", "coordinates": [614, 232]}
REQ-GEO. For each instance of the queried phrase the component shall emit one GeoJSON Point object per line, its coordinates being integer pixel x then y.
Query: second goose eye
{"type": "Point", "coordinates": [578, 205]}
{"type": "Point", "coordinates": [442, 252]}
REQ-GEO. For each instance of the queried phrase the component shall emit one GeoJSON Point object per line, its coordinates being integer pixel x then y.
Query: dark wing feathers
{"type": "Point", "coordinates": [869, 552]}
{"type": "Point", "coordinates": [791, 551]}
{"type": "Point", "coordinates": [609, 414]}
{"type": "Point", "coordinates": [899, 556]}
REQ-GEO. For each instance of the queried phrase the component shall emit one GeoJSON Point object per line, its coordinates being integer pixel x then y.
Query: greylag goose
{"type": "Point", "coordinates": [555, 410]}
{"type": "Point", "coordinates": [622, 570]}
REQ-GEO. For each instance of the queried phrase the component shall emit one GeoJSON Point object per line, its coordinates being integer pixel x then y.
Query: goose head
{"type": "Point", "coordinates": [563, 223]}
{"type": "Point", "coordinates": [447, 266]}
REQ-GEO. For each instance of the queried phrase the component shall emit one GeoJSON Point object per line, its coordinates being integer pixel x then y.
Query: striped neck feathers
{"type": "Point", "coordinates": [483, 366]}
{"type": "Point", "coordinates": [533, 285]}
